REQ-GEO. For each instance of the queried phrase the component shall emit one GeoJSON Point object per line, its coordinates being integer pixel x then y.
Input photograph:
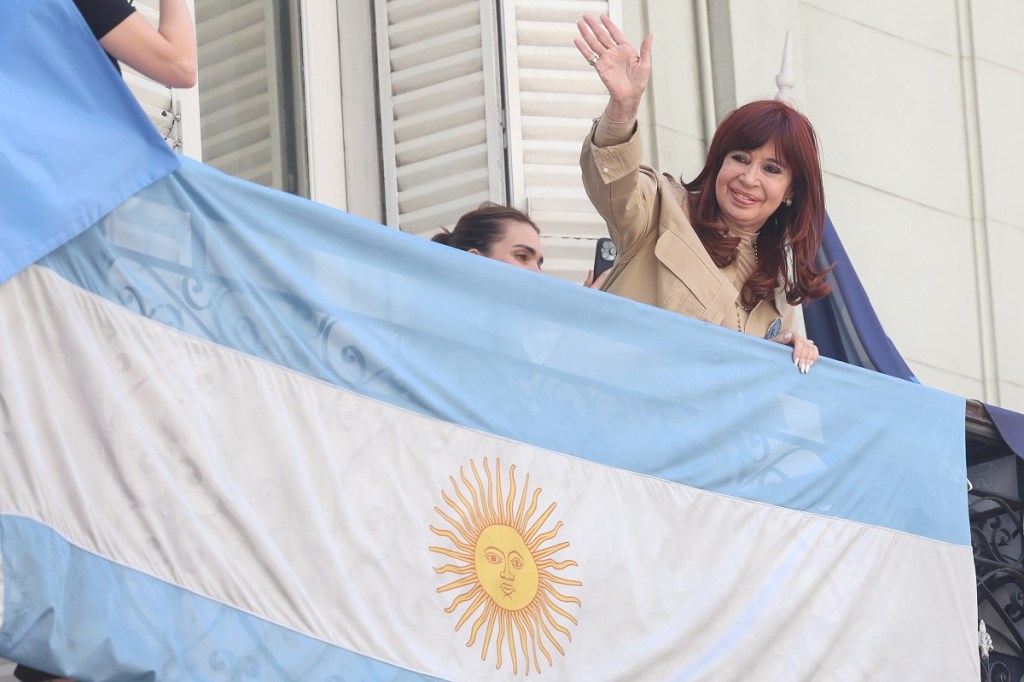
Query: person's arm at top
{"type": "Point", "coordinates": [167, 54]}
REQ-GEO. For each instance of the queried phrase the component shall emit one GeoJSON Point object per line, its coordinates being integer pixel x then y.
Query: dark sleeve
{"type": "Point", "coordinates": [104, 15]}
{"type": "Point", "coordinates": [27, 674]}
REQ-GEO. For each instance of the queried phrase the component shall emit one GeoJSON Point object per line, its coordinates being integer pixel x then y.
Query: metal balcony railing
{"type": "Point", "coordinates": [997, 520]}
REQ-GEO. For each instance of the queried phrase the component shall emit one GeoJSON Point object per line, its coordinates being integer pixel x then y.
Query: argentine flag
{"type": "Point", "coordinates": [244, 436]}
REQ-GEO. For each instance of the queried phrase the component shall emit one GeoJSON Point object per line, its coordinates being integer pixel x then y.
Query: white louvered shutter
{"type": "Point", "coordinates": [553, 97]}
{"type": "Point", "coordinates": [174, 113]}
{"type": "Point", "coordinates": [238, 89]}
{"type": "Point", "coordinates": [440, 110]}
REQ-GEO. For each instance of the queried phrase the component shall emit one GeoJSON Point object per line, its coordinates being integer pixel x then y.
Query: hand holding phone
{"type": "Point", "coordinates": [604, 256]}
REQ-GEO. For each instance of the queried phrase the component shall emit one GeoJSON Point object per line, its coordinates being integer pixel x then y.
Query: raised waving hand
{"type": "Point", "coordinates": [623, 71]}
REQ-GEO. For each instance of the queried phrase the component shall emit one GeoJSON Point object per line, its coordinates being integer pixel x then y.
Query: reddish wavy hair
{"type": "Point", "coordinates": [796, 228]}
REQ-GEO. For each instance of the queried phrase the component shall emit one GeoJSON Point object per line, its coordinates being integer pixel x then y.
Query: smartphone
{"type": "Point", "coordinates": [604, 256]}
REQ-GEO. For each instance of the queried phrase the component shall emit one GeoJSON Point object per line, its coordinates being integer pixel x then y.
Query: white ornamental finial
{"type": "Point", "coordinates": [984, 640]}
{"type": "Point", "coordinates": [785, 81]}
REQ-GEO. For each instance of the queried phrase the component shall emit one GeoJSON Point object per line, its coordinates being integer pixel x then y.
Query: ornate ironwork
{"type": "Point", "coordinates": [191, 298]}
{"type": "Point", "coordinates": [997, 537]}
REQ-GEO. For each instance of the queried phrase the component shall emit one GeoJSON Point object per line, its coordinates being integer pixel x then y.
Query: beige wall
{"type": "Point", "coordinates": [918, 106]}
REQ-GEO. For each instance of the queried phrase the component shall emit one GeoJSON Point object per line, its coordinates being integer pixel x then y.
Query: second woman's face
{"type": "Point", "coordinates": [519, 246]}
{"type": "Point", "coordinates": [750, 186]}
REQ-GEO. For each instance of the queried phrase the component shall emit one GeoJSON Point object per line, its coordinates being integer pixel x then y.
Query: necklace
{"type": "Point", "coordinates": [739, 305]}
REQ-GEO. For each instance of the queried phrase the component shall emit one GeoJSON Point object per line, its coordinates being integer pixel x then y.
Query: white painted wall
{"type": "Point", "coordinates": [918, 107]}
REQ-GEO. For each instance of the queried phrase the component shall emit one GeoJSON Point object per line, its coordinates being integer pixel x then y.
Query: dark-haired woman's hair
{"type": "Point", "coordinates": [481, 228]}
{"type": "Point", "coordinates": [797, 227]}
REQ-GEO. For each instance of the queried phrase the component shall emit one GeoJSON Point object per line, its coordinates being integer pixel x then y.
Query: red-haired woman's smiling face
{"type": "Point", "coordinates": [750, 187]}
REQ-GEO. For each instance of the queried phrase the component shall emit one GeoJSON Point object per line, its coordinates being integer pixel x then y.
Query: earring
{"type": "Point", "coordinates": [789, 202]}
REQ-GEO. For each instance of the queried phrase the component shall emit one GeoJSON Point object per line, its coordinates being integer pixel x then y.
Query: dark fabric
{"type": "Point", "coordinates": [27, 674]}
{"type": "Point", "coordinates": [844, 324]}
{"type": "Point", "coordinates": [102, 16]}
{"type": "Point", "coordinates": [1010, 426]}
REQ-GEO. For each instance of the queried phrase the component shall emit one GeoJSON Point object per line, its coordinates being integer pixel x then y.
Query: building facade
{"type": "Point", "coordinates": [409, 112]}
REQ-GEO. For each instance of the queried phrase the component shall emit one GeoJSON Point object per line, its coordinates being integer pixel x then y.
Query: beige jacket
{"type": "Point", "coordinates": [661, 260]}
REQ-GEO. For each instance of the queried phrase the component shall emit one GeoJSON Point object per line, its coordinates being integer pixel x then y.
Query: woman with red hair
{"type": "Point", "coordinates": [736, 246]}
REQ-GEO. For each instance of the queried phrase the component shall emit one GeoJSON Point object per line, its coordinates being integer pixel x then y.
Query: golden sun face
{"type": "Point", "coordinates": [505, 568]}
{"type": "Point", "coordinates": [504, 555]}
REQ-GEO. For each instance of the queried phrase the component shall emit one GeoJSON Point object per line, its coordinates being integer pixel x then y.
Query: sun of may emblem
{"type": "Point", "coordinates": [504, 556]}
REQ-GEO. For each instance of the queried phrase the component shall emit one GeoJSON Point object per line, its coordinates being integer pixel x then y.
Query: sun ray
{"type": "Point", "coordinates": [452, 568]}
{"type": "Point", "coordinates": [500, 641]}
{"type": "Point", "coordinates": [517, 620]}
{"type": "Point", "coordinates": [452, 553]}
{"type": "Point", "coordinates": [544, 537]}
{"type": "Point", "coordinates": [490, 485]}
{"type": "Point", "coordinates": [458, 526]}
{"type": "Point", "coordinates": [539, 522]}
{"type": "Point", "coordinates": [474, 508]}
{"type": "Point", "coordinates": [510, 640]}
{"type": "Point", "coordinates": [464, 528]}
{"type": "Point", "coordinates": [481, 596]}
{"type": "Point", "coordinates": [548, 563]}
{"type": "Point", "coordinates": [485, 617]}
{"type": "Point", "coordinates": [532, 509]}
{"type": "Point", "coordinates": [547, 609]}
{"type": "Point", "coordinates": [497, 485]}
{"type": "Point", "coordinates": [562, 612]}
{"type": "Point", "coordinates": [509, 573]}
{"type": "Point", "coordinates": [479, 484]}
{"type": "Point", "coordinates": [451, 536]}
{"type": "Point", "coordinates": [541, 617]}
{"type": "Point", "coordinates": [537, 639]}
{"type": "Point", "coordinates": [470, 580]}
{"type": "Point", "coordinates": [492, 618]}
{"type": "Point", "coordinates": [552, 592]}
{"type": "Point", "coordinates": [465, 506]}
{"type": "Point", "coordinates": [563, 581]}
{"type": "Point", "coordinates": [517, 522]}
{"type": "Point", "coordinates": [510, 499]}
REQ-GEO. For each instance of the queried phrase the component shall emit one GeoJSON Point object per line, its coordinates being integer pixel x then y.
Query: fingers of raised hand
{"type": "Point", "coordinates": [585, 50]}
{"type": "Point", "coordinates": [614, 32]}
{"type": "Point", "coordinates": [589, 30]}
{"type": "Point", "coordinates": [600, 28]}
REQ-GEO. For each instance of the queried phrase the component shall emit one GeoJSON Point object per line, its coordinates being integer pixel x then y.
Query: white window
{"type": "Point", "coordinates": [485, 101]}
{"type": "Point", "coordinates": [409, 112]}
{"type": "Point", "coordinates": [174, 113]}
{"type": "Point", "coordinates": [250, 91]}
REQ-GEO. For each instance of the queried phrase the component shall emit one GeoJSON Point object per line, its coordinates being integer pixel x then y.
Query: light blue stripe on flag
{"type": "Point", "coordinates": [381, 531]}
{"type": "Point", "coordinates": [138, 626]}
{"type": "Point", "coordinates": [74, 143]}
{"type": "Point", "coordinates": [520, 355]}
